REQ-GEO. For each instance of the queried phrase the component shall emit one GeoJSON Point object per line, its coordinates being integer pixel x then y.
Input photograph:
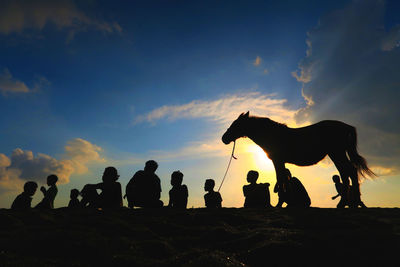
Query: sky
{"type": "Point", "coordinates": [90, 84]}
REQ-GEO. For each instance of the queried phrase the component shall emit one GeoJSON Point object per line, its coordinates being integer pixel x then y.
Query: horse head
{"type": "Point", "coordinates": [236, 130]}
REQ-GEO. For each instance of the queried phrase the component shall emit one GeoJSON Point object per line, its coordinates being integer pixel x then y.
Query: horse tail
{"type": "Point", "coordinates": [356, 159]}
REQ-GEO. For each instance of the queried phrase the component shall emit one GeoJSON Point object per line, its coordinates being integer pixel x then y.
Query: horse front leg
{"type": "Point", "coordinates": [279, 188]}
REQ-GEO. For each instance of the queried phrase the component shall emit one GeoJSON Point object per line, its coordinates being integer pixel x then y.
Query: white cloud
{"type": "Point", "coordinates": [350, 73]}
{"type": "Point", "coordinates": [224, 110]}
{"type": "Point", "coordinates": [23, 165]}
{"type": "Point", "coordinates": [19, 15]}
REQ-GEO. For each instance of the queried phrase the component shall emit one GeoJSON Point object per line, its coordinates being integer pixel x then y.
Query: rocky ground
{"type": "Point", "coordinates": [199, 237]}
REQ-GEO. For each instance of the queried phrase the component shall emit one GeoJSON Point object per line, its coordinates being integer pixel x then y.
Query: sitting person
{"type": "Point", "coordinates": [178, 195]}
{"type": "Point", "coordinates": [144, 188]}
{"type": "Point", "coordinates": [49, 194]}
{"type": "Point", "coordinates": [111, 192]}
{"type": "Point", "coordinates": [256, 195]}
{"type": "Point", "coordinates": [90, 197]}
{"type": "Point", "coordinates": [23, 201]}
{"type": "Point", "coordinates": [212, 199]}
{"type": "Point", "coordinates": [74, 202]}
{"type": "Point", "coordinates": [292, 192]}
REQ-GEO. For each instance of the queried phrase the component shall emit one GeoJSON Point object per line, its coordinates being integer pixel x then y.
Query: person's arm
{"type": "Point", "coordinates": [43, 189]}
{"type": "Point", "coordinates": [334, 197]}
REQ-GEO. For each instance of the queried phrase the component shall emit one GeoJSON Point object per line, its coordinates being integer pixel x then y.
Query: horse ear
{"type": "Point", "coordinates": [247, 114]}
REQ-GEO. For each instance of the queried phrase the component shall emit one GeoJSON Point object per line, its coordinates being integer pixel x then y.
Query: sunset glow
{"type": "Point", "coordinates": [89, 84]}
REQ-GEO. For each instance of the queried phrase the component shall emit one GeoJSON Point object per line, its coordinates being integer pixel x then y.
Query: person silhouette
{"type": "Point", "coordinates": [178, 195]}
{"type": "Point", "coordinates": [212, 198]}
{"type": "Point", "coordinates": [111, 192]}
{"type": "Point", "coordinates": [74, 201]}
{"type": "Point", "coordinates": [341, 192]}
{"type": "Point", "coordinates": [23, 201]}
{"type": "Point", "coordinates": [144, 188]}
{"type": "Point", "coordinates": [292, 192]}
{"type": "Point", "coordinates": [49, 194]}
{"type": "Point", "coordinates": [256, 195]}
{"type": "Point", "coordinates": [90, 197]}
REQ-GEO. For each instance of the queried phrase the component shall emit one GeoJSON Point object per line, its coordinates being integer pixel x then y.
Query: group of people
{"type": "Point", "coordinates": [144, 190]}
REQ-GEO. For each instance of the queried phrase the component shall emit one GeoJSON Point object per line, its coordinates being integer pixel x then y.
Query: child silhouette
{"type": "Point", "coordinates": [178, 195]}
{"type": "Point", "coordinates": [74, 202]}
{"type": "Point", "coordinates": [212, 199]}
{"type": "Point", "coordinates": [341, 192]}
{"type": "Point", "coordinates": [256, 195]}
{"type": "Point", "coordinates": [49, 194]}
{"type": "Point", "coordinates": [23, 201]}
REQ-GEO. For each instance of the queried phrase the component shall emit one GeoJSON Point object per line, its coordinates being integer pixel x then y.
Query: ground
{"type": "Point", "coordinates": [200, 237]}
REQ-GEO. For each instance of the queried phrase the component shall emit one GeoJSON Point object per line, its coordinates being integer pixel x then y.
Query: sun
{"type": "Point", "coordinates": [260, 158]}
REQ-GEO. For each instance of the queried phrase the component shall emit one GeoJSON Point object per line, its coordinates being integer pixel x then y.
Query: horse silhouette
{"type": "Point", "coordinates": [303, 146]}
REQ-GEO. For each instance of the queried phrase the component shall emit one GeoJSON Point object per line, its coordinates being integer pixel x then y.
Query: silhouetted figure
{"type": "Point", "coordinates": [74, 201]}
{"type": "Point", "coordinates": [341, 192]}
{"type": "Point", "coordinates": [111, 192]}
{"type": "Point", "coordinates": [49, 194]}
{"type": "Point", "coordinates": [144, 188]}
{"type": "Point", "coordinates": [90, 197]}
{"type": "Point", "coordinates": [256, 195]}
{"type": "Point", "coordinates": [178, 195]}
{"type": "Point", "coordinates": [303, 146]}
{"type": "Point", "coordinates": [212, 199]}
{"type": "Point", "coordinates": [23, 201]}
{"type": "Point", "coordinates": [292, 192]}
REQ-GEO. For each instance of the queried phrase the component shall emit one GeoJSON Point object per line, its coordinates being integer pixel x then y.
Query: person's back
{"type": "Point", "coordinates": [90, 197]}
{"type": "Point", "coordinates": [178, 195]}
{"type": "Point", "coordinates": [212, 199]}
{"type": "Point", "coordinates": [144, 189]}
{"type": "Point", "coordinates": [23, 201]}
{"type": "Point", "coordinates": [74, 201]}
{"type": "Point", "coordinates": [111, 192]}
{"type": "Point", "coordinates": [298, 194]}
{"type": "Point", "coordinates": [256, 195]}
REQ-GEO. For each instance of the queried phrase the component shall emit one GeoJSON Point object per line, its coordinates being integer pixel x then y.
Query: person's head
{"type": "Point", "coordinates": [176, 178]}
{"type": "Point", "coordinates": [209, 185]}
{"type": "Point", "coordinates": [52, 179]}
{"type": "Point", "coordinates": [30, 188]}
{"type": "Point", "coordinates": [252, 177]}
{"type": "Point", "coordinates": [110, 174]}
{"type": "Point", "coordinates": [151, 166]}
{"type": "Point", "coordinates": [336, 178]}
{"type": "Point", "coordinates": [74, 193]}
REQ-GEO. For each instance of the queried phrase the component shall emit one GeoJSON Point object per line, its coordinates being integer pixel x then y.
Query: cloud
{"type": "Point", "coordinates": [257, 61]}
{"type": "Point", "coordinates": [221, 112]}
{"type": "Point", "coordinates": [8, 84]}
{"type": "Point", "coordinates": [224, 109]}
{"type": "Point", "coordinates": [350, 73]}
{"type": "Point", "coordinates": [23, 165]}
{"type": "Point", "coordinates": [19, 15]}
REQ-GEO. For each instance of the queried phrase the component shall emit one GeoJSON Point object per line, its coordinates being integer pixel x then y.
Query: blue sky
{"type": "Point", "coordinates": [89, 84]}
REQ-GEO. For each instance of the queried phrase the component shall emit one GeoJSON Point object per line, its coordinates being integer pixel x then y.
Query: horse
{"type": "Point", "coordinates": [303, 146]}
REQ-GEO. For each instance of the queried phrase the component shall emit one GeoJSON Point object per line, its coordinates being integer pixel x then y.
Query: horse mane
{"type": "Point", "coordinates": [270, 122]}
